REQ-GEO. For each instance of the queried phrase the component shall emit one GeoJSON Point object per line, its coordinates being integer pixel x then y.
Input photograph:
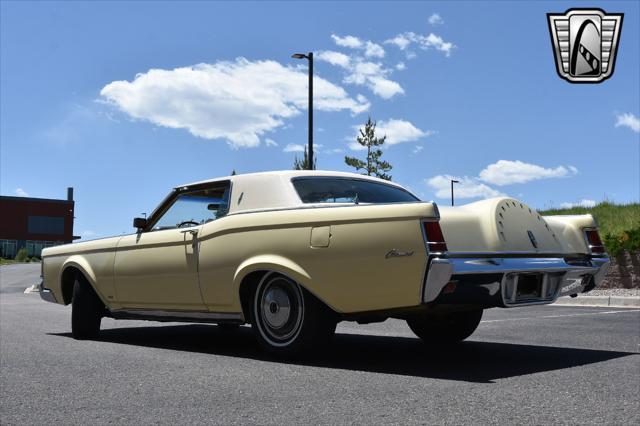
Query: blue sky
{"type": "Point", "coordinates": [125, 100]}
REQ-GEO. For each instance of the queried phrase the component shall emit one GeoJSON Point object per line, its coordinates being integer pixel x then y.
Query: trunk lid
{"type": "Point", "coordinates": [498, 225]}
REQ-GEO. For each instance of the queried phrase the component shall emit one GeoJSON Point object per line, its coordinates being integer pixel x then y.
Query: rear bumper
{"type": "Point", "coordinates": [493, 281]}
{"type": "Point", "coordinates": [46, 294]}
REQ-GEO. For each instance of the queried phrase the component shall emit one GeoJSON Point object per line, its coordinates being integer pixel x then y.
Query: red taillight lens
{"type": "Point", "coordinates": [595, 243]}
{"type": "Point", "coordinates": [435, 239]}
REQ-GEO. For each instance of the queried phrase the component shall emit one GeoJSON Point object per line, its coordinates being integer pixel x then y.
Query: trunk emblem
{"type": "Point", "coordinates": [532, 238]}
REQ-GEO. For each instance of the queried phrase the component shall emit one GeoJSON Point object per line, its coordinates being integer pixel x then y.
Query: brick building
{"type": "Point", "coordinates": [35, 223]}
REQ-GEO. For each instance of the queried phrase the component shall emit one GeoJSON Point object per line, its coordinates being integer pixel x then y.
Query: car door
{"type": "Point", "coordinates": [157, 268]}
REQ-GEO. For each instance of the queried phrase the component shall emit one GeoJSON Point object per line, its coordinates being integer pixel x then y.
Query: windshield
{"type": "Point", "coordinates": [347, 190]}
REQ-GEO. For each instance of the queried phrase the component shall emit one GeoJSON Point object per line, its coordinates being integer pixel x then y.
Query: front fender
{"type": "Point", "coordinates": [80, 263]}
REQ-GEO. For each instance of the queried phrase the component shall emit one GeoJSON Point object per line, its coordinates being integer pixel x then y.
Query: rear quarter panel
{"type": "Point", "coordinates": [350, 275]}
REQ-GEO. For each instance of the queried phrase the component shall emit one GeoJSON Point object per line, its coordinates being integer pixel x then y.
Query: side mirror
{"type": "Point", "coordinates": [140, 222]}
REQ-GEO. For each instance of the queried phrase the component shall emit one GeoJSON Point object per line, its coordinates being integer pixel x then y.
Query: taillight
{"type": "Point", "coordinates": [435, 239]}
{"type": "Point", "coordinates": [593, 240]}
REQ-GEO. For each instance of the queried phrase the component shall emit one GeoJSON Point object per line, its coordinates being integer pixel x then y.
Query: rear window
{"type": "Point", "coordinates": [346, 190]}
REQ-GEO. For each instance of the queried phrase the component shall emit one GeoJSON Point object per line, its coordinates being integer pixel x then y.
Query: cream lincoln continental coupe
{"type": "Point", "coordinates": [295, 252]}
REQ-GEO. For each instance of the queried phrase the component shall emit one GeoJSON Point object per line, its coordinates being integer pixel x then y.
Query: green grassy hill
{"type": "Point", "coordinates": [619, 224]}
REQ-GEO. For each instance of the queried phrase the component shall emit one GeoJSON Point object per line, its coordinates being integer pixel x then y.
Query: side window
{"type": "Point", "coordinates": [194, 208]}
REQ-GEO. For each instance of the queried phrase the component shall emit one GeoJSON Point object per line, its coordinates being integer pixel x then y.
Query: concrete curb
{"type": "Point", "coordinates": [607, 301]}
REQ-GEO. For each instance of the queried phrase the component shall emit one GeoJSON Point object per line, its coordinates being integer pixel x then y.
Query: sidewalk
{"type": "Point", "coordinates": [603, 300]}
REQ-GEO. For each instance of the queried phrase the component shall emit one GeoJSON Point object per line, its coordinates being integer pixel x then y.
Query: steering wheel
{"type": "Point", "coordinates": [188, 222]}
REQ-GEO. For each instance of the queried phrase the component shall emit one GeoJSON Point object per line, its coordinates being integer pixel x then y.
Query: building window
{"type": "Point", "coordinates": [8, 248]}
{"type": "Point", "coordinates": [34, 248]}
{"type": "Point", "coordinates": [45, 225]}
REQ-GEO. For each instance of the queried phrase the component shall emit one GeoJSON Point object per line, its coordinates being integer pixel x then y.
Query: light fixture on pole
{"type": "Point", "coordinates": [452, 182]}
{"type": "Point", "coordinates": [309, 57]}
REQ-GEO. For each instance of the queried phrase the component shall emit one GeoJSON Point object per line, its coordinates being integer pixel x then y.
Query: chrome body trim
{"type": "Point", "coordinates": [158, 314]}
{"type": "Point", "coordinates": [46, 294]}
{"type": "Point", "coordinates": [561, 277]}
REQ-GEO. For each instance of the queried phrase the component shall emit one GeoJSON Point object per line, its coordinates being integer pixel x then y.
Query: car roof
{"type": "Point", "coordinates": [293, 174]}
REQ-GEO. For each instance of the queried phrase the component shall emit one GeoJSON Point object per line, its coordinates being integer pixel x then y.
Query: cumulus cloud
{"type": "Point", "coordinates": [506, 172]}
{"type": "Point", "coordinates": [21, 192]}
{"type": "Point", "coordinates": [270, 142]}
{"type": "Point", "coordinates": [436, 19]}
{"type": "Point", "coordinates": [400, 66]}
{"type": "Point", "coordinates": [582, 203]}
{"type": "Point", "coordinates": [397, 131]}
{"type": "Point", "coordinates": [466, 188]}
{"type": "Point", "coordinates": [628, 120]}
{"type": "Point", "coordinates": [371, 49]}
{"type": "Point", "coordinates": [237, 101]}
{"type": "Point", "coordinates": [294, 147]}
{"type": "Point", "coordinates": [417, 149]}
{"type": "Point", "coordinates": [359, 71]}
{"type": "Point", "coordinates": [347, 41]}
{"type": "Point", "coordinates": [334, 58]}
{"type": "Point", "coordinates": [431, 41]}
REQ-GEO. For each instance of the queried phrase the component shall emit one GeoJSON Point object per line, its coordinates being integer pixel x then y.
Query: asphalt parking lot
{"type": "Point", "coordinates": [532, 365]}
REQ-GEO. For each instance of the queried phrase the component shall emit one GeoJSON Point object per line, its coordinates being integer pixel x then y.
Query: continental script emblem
{"type": "Point", "coordinates": [585, 43]}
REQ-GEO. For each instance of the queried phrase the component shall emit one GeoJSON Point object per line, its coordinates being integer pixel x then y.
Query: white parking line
{"type": "Point", "coordinates": [561, 316]}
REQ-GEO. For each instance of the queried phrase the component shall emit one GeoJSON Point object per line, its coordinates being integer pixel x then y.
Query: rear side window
{"type": "Point", "coordinates": [346, 190]}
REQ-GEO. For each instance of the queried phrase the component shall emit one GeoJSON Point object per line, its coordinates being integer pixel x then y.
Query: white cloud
{"type": "Point", "coordinates": [400, 66]}
{"type": "Point", "coordinates": [270, 142]}
{"type": "Point", "coordinates": [506, 172]}
{"type": "Point", "coordinates": [235, 101]}
{"type": "Point", "coordinates": [431, 41]}
{"type": "Point", "coordinates": [88, 233]}
{"type": "Point", "coordinates": [294, 147]}
{"type": "Point", "coordinates": [582, 203]}
{"type": "Point", "coordinates": [334, 151]}
{"type": "Point", "coordinates": [347, 41]}
{"type": "Point", "coordinates": [384, 87]}
{"type": "Point", "coordinates": [400, 40]}
{"type": "Point", "coordinates": [373, 50]}
{"type": "Point", "coordinates": [628, 120]}
{"type": "Point", "coordinates": [334, 58]}
{"type": "Point", "coordinates": [21, 192]}
{"type": "Point", "coordinates": [399, 131]}
{"type": "Point", "coordinates": [417, 149]}
{"type": "Point", "coordinates": [466, 188]}
{"type": "Point", "coordinates": [436, 19]}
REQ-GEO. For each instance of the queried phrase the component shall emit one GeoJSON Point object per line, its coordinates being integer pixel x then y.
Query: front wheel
{"type": "Point", "coordinates": [86, 310]}
{"type": "Point", "coordinates": [287, 319]}
{"type": "Point", "coordinates": [448, 328]}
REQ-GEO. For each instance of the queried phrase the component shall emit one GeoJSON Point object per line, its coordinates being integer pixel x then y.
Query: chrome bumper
{"type": "Point", "coordinates": [46, 294]}
{"type": "Point", "coordinates": [559, 278]}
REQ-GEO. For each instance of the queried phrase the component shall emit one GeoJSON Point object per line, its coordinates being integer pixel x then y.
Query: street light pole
{"type": "Point", "coordinates": [309, 57]}
{"type": "Point", "coordinates": [452, 182]}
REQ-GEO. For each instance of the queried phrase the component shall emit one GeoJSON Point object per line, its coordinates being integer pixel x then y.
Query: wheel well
{"type": "Point", "coordinates": [68, 279]}
{"type": "Point", "coordinates": [247, 287]}
{"type": "Point", "coordinates": [250, 283]}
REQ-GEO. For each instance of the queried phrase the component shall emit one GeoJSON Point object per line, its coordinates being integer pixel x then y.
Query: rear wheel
{"type": "Point", "coordinates": [86, 310]}
{"type": "Point", "coordinates": [448, 328]}
{"type": "Point", "coordinates": [287, 319]}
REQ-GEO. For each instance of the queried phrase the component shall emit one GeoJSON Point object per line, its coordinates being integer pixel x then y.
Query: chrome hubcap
{"type": "Point", "coordinates": [276, 307]}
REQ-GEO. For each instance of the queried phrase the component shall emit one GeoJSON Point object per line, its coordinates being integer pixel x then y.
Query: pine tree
{"type": "Point", "coordinates": [303, 164]}
{"type": "Point", "coordinates": [373, 166]}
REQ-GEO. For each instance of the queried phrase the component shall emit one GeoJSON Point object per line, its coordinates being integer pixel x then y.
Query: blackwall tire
{"type": "Point", "coordinates": [86, 311]}
{"type": "Point", "coordinates": [445, 329]}
{"type": "Point", "coordinates": [287, 319]}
